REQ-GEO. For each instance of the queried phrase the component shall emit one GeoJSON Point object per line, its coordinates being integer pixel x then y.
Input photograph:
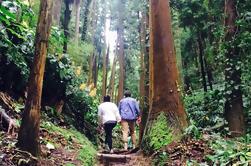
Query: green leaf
{"type": "Point", "coordinates": [248, 154]}
{"type": "Point", "coordinates": [50, 146]}
{"type": "Point", "coordinates": [243, 159]}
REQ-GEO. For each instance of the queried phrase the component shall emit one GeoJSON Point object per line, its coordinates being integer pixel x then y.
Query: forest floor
{"type": "Point", "coordinates": [11, 156]}
{"type": "Point", "coordinates": [58, 147]}
{"type": "Point", "coordinates": [61, 145]}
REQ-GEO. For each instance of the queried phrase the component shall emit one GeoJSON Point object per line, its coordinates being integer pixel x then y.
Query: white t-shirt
{"type": "Point", "coordinates": [108, 111]}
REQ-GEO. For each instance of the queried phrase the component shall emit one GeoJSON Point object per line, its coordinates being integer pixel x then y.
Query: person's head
{"type": "Point", "coordinates": [107, 98]}
{"type": "Point", "coordinates": [127, 93]}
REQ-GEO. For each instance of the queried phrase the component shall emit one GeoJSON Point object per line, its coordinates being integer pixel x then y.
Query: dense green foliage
{"type": "Point", "coordinates": [61, 75]}
{"type": "Point", "coordinates": [230, 151]}
{"type": "Point", "coordinates": [202, 21]}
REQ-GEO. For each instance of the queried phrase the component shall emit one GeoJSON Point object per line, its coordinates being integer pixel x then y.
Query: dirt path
{"type": "Point", "coordinates": [122, 159]}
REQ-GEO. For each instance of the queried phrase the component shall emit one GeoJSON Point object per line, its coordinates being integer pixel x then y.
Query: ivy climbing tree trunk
{"type": "Point", "coordinates": [28, 136]}
{"type": "Point", "coordinates": [67, 18]}
{"type": "Point", "coordinates": [164, 88]}
{"type": "Point", "coordinates": [234, 103]}
{"type": "Point", "coordinates": [85, 22]}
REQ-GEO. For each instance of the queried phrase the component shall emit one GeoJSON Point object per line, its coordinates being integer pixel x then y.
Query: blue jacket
{"type": "Point", "coordinates": [129, 109]}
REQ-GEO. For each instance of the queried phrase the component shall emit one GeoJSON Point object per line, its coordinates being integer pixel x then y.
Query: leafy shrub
{"type": "Point", "coordinates": [230, 152]}
{"type": "Point", "coordinates": [158, 135]}
{"type": "Point", "coordinates": [160, 159]}
{"type": "Point", "coordinates": [193, 131]}
{"type": "Point", "coordinates": [205, 109]}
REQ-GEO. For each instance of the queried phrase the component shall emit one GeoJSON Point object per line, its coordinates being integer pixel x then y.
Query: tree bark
{"type": "Point", "coordinates": [164, 91]}
{"type": "Point", "coordinates": [90, 73]}
{"type": "Point", "coordinates": [95, 70]}
{"type": "Point", "coordinates": [105, 64]}
{"type": "Point", "coordinates": [121, 52]}
{"type": "Point", "coordinates": [209, 74]}
{"type": "Point", "coordinates": [234, 104]}
{"type": "Point", "coordinates": [67, 18]}
{"type": "Point", "coordinates": [77, 5]}
{"type": "Point", "coordinates": [28, 136]}
{"type": "Point", "coordinates": [111, 90]}
{"type": "Point", "coordinates": [93, 58]}
{"type": "Point", "coordinates": [57, 5]}
{"type": "Point", "coordinates": [142, 31]}
{"type": "Point", "coordinates": [201, 60]}
{"type": "Point", "coordinates": [112, 79]}
{"type": "Point", "coordinates": [85, 22]}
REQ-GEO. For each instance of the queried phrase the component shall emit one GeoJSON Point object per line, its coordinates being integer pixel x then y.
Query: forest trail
{"type": "Point", "coordinates": [122, 159]}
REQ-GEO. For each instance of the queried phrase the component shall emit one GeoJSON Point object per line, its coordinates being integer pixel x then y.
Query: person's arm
{"type": "Point", "coordinates": [119, 107]}
{"type": "Point", "coordinates": [138, 121]}
{"type": "Point", "coordinates": [136, 107]}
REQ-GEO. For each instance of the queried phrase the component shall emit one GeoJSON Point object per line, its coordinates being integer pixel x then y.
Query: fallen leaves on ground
{"type": "Point", "coordinates": [186, 150]}
{"type": "Point", "coordinates": [60, 155]}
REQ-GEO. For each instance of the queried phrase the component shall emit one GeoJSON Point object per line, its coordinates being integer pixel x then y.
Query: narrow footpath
{"type": "Point", "coordinates": [120, 158]}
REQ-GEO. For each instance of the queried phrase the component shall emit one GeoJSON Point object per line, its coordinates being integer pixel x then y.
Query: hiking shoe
{"type": "Point", "coordinates": [111, 151]}
{"type": "Point", "coordinates": [107, 148]}
{"type": "Point", "coordinates": [125, 146]}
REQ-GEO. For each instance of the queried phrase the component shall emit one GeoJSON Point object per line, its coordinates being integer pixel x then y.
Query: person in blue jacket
{"type": "Point", "coordinates": [130, 113]}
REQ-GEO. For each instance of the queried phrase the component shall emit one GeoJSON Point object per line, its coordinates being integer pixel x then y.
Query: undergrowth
{"type": "Point", "coordinates": [158, 135]}
{"type": "Point", "coordinates": [230, 151]}
{"type": "Point", "coordinates": [86, 150]}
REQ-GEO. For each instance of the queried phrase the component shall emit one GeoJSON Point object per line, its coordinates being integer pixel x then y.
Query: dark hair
{"type": "Point", "coordinates": [107, 98]}
{"type": "Point", "coordinates": [127, 93]}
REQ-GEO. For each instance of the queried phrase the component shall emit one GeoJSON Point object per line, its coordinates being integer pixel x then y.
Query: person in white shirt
{"type": "Point", "coordinates": [108, 116]}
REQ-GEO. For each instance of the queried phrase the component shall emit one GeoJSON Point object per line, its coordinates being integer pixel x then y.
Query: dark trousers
{"type": "Point", "coordinates": [108, 126]}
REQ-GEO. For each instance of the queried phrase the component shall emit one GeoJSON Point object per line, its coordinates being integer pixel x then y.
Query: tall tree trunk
{"type": "Point", "coordinates": [85, 22]}
{"type": "Point", "coordinates": [92, 58]}
{"type": "Point", "coordinates": [105, 64]}
{"type": "Point", "coordinates": [142, 92]}
{"type": "Point", "coordinates": [95, 70]}
{"type": "Point", "coordinates": [164, 92]}
{"type": "Point", "coordinates": [209, 74]}
{"type": "Point", "coordinates": [28, 136]}
{"type": "Point", "coordinates": [234, 104]}
{"type": "Point", "coordinates": [77, 5]}
{"type": "Point", "coordinates": [57, 5]}
{"type": "Point", "coordinates": [120, 32]}
{"type": "Point", "coordinates": [90, 73]}
{"type": "Point", "coordinates": [67, 18]}
{"type": "Point", "coordinates": [201, 60]}
{"type": "Point", "coordinates": [112, 88]}
{"type": "Point", "coordinates": [112, 78]}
